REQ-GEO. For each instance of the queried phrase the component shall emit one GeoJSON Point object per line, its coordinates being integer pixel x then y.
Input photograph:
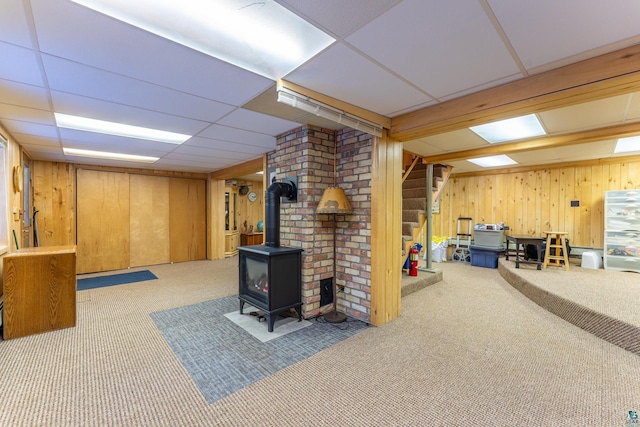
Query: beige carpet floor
{"type": "Point", "coordinates": [469, 350]}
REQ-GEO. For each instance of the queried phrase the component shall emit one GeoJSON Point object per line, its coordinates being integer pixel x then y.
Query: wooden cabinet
{"type": "Point", "coordinates": [231, 240]}
{"type": "Point", "coordinates": [622, 230]}
{"type": "Point", "coordinates": [250, 239]}
{"type": "Point", "coordinates": [39, 290]}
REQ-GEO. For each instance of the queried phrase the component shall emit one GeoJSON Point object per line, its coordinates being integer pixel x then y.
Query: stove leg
{"type": "Point", "coordinates": [241, 306]}
{"type": "Point", "coordinates": [270, 321]}
{"type": "Point", "coordinates": [299, 311]}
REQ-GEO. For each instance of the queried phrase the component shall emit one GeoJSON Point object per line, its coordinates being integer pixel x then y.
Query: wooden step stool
{"type": "Point", "coordinates": [554, 260]}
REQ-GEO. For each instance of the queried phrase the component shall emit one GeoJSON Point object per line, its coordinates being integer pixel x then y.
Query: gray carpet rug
{"type": "Point", "coordinates": [222, 357]}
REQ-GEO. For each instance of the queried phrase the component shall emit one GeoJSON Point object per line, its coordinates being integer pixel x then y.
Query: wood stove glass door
{"type": "Point", "coordinates": [254, 280]}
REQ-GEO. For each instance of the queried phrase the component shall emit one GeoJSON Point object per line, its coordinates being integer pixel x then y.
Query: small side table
{"type": "Point", "coordinates": [559, 244]}
{"type": "Point", "coordinates": [520, 243]}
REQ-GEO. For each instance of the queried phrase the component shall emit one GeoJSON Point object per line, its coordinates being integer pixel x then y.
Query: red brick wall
{"type": "Point", "coordinates": [308, 153]}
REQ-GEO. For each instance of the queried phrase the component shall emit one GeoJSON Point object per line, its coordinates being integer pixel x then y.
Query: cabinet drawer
{"type": "Point", "coordinates": [622, 263]}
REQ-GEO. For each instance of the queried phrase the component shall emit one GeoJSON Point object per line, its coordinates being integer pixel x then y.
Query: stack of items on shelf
{"type": "Point", "coordinates": [488, 242]}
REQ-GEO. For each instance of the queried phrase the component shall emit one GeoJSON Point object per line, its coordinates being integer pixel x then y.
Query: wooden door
{"type": "Point", "coordinates": [187, 207]}
{"type": "Point", "coordinates": [103, 221]}
{"type": "Point", "coordinates": [149, 232]}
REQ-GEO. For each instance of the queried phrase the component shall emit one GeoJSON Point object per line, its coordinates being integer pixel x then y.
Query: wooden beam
{"type": "Point", "coordinates": [604, 76]}
{"type": "Point", "coordinates": [592, 135]}
{"type": "Point", "coordinates": [252, 166]}
{"type": "Point", "coordinates": [378, 119]}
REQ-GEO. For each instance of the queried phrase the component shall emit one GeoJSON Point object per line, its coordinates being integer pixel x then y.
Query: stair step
{"type": "Point", "coordinates": [439, 171]}
{"type": "Point", "coordinates": [407, 228]}
{"type": "Point", "coordinates": [414, 183]}
{"type": "Point", "coordinates": [414, 203]}
{"type": "Point", "coordinates": [417, 174]}
{"type": "Point", "coordinates": [414, 193]}
{"type": "Point", "coordinates": [412, 215]}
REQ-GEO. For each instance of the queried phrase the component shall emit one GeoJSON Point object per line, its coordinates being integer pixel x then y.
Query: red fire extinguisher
{"type": "Point", "coordinates": [413, 258]}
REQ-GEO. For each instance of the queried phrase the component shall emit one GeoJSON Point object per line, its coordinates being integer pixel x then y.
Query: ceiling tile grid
{"type": "Point", "coordinates": [390, 57]}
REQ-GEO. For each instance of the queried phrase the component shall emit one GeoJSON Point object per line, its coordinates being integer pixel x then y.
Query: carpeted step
{"type": "Point", "coordinates": [418, 173]}
{"type": "Point", "coordinates": [418, 203]}
{"type": "Point", "coordinates": [407, 228]}
{"type": "Point", "coordinates": [412, 215]}
{"type": "Point", "coordinates": [414, 183]}
{"type": "Point", "coordinates": [414, 193]}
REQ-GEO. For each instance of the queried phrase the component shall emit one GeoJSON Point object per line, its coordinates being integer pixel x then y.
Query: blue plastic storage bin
{"type": "Point", "coordinates": [484, 257]}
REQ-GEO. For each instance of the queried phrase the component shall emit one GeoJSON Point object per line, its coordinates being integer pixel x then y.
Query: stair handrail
{"type": "Point", "coordinates": [408, 171]}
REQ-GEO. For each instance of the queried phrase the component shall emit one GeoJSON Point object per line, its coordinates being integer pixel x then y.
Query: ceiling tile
{"type": "Point", "coordinates": [13, 24]}
{"type": "Point", "coordinates": [423, 42]}
{"type": "Point", "coordinates": [585, 116]}
{"type": "Point", "coordinates": [23, 66]}
{"type": "Point", "coordinates": [31, 115]}
{"type": "Point", "coordinates": [19, 126]}
{"type": "Point", "coordinates": [228, 146]}
{"type": "Point", "coordinates": [118, 47]}
{"type": "Point", "coordinates": [462, 139]}
{"type": "Point", "coordinates": [257, 122]}
{"type": "Point", "coordinates": [225, 133]}
{"type": "Point", "coordinates": [633, 112]}
{"type": "Point", "coordinates": [592, 150]}
{"type": "Point", "coordinates": [545, 31]}
{"type": "Point", "coordinates": [338, 16]}
{"type": "Point", "coordinates": [102, 110]}
{"type": "Point", "coordinates": [99, 84]}
{"type": "Point", "coordinates": [343, 74]}
{"type": "Point", "coordinates": [115, 144]}
{"type": "Point", "coordinates": [33, 140]}
{"type": "Point", "coordinates": [211, 152]}
{"type": "Point", "coordinates": [24, 95]}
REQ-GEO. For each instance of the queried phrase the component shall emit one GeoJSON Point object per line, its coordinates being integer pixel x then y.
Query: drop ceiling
{"type": "Point", "coordinates": [390, 57]}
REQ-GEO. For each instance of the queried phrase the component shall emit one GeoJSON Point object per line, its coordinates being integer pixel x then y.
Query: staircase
{"type": "Point", "coordinates": [414, 201]}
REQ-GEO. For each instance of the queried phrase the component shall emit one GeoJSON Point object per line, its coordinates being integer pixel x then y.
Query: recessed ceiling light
{"type": "Point", "coordinates": [510, 129]}
{"type": "Point", "coordinates": [110, 156]}
{"type": "Point", "coordinates": [493, 161]}
{"type": "Point", "coordinates": [262, 37]}
{"type": "Point", "coordinates": [119, 129]}
{"type": "Point", "coordinates": [625, 145]}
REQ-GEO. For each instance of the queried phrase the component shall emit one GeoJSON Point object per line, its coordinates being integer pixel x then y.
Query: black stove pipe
{"type": "Point", "coordinates": [272, 210]}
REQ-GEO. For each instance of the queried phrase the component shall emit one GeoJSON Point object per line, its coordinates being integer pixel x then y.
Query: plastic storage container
{"type": "Point", "coordinates": [488, 238]}
{"type": "Point", "coordinates": [484, 257]}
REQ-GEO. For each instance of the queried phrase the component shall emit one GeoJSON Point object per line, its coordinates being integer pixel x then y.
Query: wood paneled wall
{"type": "Point", "coordinates": [533, 201]}
{"type": "Point", "coordinates": [54, 197]}
{"type": "Point", "coordinates": [247, 211]}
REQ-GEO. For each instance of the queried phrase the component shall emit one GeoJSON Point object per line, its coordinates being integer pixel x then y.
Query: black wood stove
{"type": "Point", "coordinates": [270, 275]}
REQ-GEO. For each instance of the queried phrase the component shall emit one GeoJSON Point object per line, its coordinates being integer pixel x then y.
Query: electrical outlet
{"type": "Point", "coordinates": [575, 203]}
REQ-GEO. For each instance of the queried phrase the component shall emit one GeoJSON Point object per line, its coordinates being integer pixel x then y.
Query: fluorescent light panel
{"type": "Point", "coordinates": [625, 145]}
{"type": "Point", "coordinates": [110, 156]}
{"type": "Point", "coordinates": [510, 129]}
{"type": "Point", "coordinates": [262, 37]}
{"type": "Point", "coordinates": [312, 106]}
{"type": "Point", "coordinates": [493, 161]}
{"type": "Point", "coordinates": [118, 129]}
